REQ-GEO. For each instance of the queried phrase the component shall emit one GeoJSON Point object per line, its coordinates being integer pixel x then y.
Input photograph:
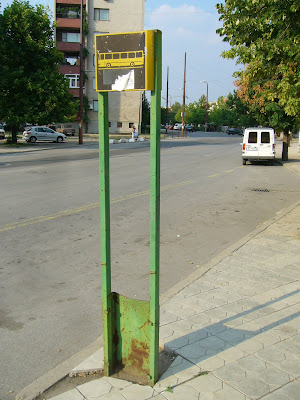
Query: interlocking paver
{"type": "Point", "coordinates": [253, 387]}
{"type": "Point", "coordinates": [291, 366]}
{"type": "Point", "coordinates": [172, 344]}
{"type": "Point", "coordinates": [111, 396]}
{"type": "Point", "coordinates": [232, 336]}
{"type": "Point", "coordinates": [226, 393]}
{"type": "Point", "coordinates": [70, 395]}
{"type": "Point", "coordinates": [267, 338]}
{"type": "Point", "coordinates": [271, 354]}
{"type": "Point", "coordinates": [199, 320]}
{"type": "Point", "coordinates": [296, 338]}
{"type": "Point", "coordinates": [95, 388]}
{"type": "Point", "coordinates": [250, 346]}
{"type": "Point", "coordinates": [134, 392]}
{"type": "Point", "coordinates": [288, 346]}
{"type": "Point", "coordinates": [231, 373]}
{"type": "Point", "coordinates": [292, 390]}
{"type": "Point", "coordinates": [196, 336]}
{"type": "Point", "coordinates": [214, 328]}
{"type": "Point", "coordinates": [192, 352]}
{"type": "Point", "coordinates": [206, 383]}
{"type": "Point", "coordinates": [211, 363]}
{"type": "Point", "coordinates": [285, 331]}
{"type": "Point", "coordinates": [167, 317]}
{"type": "Point", "coordinates": [213, 343]}
{"type": "Point", "coordinates": [251, 363]}
{"type": "Point", "coordinates": [275, 395]}
{"type": "Point", "coordinates": [181, 393]}
{"type": "Point", "coordinates": [274, 376]}
{"type": "Point", "coordinates": [232, 354]}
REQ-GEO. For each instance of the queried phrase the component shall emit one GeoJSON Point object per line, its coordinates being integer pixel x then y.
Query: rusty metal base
{"type": "Point", "coordinates": [131, 338]}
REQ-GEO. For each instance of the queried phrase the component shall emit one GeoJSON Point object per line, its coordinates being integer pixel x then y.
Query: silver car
{"type": "Point", "coordinates": [42, 133]}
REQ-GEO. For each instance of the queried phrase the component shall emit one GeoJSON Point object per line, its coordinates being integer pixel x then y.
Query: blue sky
{"type": "Point", "coordinates": [187, 26]}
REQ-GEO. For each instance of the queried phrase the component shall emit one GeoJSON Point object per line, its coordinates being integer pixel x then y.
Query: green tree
{"type": "Point", "coordinates": [145, 112]}
{"type": "Point", "coordinates": [264, 35]}
{"type": "Point", "coordinates": [32, 89]}
{"type": "Point", "coordinates": [176, 110]}
{"type": "Point", "coordinates": [231, 111]}
{"type": "Point", "coordinates": [195, 112]}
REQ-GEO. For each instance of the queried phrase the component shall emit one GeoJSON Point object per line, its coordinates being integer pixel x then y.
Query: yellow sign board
{"type": "Point", "coordinates": [124, 61]}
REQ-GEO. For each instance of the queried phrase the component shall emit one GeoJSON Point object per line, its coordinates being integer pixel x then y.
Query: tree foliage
{"type": "Point", "coordinates": [145, 112]}
{"type": "Point", "coordinates": [194, 112]}
{"type": "Point", "coordinates": [264, 35]}
{"type": "Point", "coordinates": [32, 89]}
{"type": "Point", "coordinates": [231, 111]}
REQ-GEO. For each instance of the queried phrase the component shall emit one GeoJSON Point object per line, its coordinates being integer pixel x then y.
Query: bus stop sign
{"type": "Point", "coordinates": [124, 61]}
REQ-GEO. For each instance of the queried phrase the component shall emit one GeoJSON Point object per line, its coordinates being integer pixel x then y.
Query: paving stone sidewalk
{"type": "Point", "coordinates": [234, 332]}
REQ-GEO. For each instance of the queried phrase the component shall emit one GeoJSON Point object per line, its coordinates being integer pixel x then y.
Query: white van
{"type": "Point", "coordinates": [258, 145]}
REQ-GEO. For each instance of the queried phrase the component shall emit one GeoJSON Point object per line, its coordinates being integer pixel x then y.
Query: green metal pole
{"type": "Point", "coordinates": [105, 230]}
{"type": "Point", "coordinates": [155, 121]}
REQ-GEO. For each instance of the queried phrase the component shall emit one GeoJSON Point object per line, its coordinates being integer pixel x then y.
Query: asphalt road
{"type": "Point", "coordinates": [50, 287]}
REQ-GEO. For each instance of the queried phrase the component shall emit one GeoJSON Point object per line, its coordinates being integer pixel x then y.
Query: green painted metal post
{"type": "Point", "coordinates": [105, 230]}
{"type": "Point", "coordinates": [155, 121]}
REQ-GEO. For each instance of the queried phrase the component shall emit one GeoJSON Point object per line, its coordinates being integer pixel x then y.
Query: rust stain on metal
{"type": "Point", "coordinates": [139, 355]}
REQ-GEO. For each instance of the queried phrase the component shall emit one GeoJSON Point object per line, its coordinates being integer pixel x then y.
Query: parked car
{"type": "Point", "coordinates": [189, 128]}
{"type": "Point", "coordinates": [2, 132]}
{"type": "Point", "coordinates": [66, 129]}
{"type": "Point", "coordinates": [177, 127]}
{"type": "Point", "coordinates": [42, 133]}
{"type": "Point", "coordinates": [170, 127]}
{"type": "Point", "coordinates": [234, 131]}
{"type": "Point", "coordinates": [259, 145]}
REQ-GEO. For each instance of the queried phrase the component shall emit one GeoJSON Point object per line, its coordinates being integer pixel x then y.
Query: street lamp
{"type": "Point", "coordinates": [206, 104]}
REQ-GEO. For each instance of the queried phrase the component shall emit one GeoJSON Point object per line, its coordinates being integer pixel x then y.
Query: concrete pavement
{"type": "Point", "coordinates": [233, 326]}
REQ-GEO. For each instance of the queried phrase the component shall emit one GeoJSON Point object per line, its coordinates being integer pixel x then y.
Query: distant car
{"type": "Point", "coordinates": [189, 128]}
{"type": "Point", "coordinates": [43, 134]}
{"type": "Point", "coordinates": [2, 132]}
{"type": "Point", "coordinates": [66, 129]}
{"type": "Point", "coordinates": [170, 127]}
{"type": "Point", "coordinates": [234, 131]}
{"type": "Point", "coordinates": [177, 127]}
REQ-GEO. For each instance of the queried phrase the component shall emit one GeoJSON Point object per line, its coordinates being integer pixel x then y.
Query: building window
{"type": "Point", "coordinates": [70, 37]}
{"type": "Point", "coordinates": [101, 14]}
{"type": "Point", "coordinates": [131, 124]}
{"type": "Point", "coordinates": [119, 124]}
{"type": "Point", "coordinates": [94, 83]}
{"type": "Point", "coordinates": [74, 81]}
{"type": "Point", "coordinates": [95, 105]}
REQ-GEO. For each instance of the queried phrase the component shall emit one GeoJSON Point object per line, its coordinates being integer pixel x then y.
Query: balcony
{"type": "Point", "coordinates": [71, 2]}
{"type": "Point", "coordinates": [68, 22]}
{"type": "Point", "coordinates": [69, 69]}
{"type": "Point", "coordinates": [68, 46]}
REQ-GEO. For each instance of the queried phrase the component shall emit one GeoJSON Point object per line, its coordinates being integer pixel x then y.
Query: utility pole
{"type": "Point", "coordinates": [167, 108]}
{"type": "Point", "coordinates": [81, 77]}
{"type": "Point", "coordinates": [183, 99]}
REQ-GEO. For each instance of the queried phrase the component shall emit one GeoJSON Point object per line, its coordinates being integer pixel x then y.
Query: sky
{"type": "Point", "coordinates": [187, 26]}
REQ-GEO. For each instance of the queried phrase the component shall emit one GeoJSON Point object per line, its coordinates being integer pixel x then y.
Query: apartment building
{"type": "Point", "coordinates": [102, 16]}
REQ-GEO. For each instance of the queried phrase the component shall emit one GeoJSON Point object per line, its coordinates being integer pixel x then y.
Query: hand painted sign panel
{"type": "Point", "coordinates": [124, 61]}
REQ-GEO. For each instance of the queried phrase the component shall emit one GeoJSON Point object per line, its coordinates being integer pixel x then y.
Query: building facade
{"type": "Point", "coordinates": [101, 16]}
